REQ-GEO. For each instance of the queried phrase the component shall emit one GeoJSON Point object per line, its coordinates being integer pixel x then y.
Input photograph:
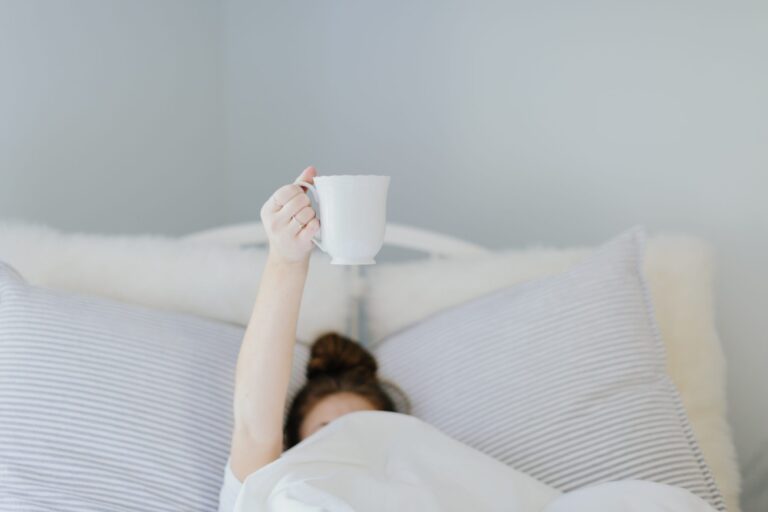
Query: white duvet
{"type": "Point", "coordinates": [379, 461]}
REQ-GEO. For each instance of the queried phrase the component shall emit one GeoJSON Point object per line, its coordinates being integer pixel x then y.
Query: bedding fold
{"type": "Point", "coordinates": [379, 461]}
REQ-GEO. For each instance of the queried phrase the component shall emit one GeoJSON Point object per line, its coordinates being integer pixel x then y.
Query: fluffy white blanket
{"type": "Point", "coordinates": [378, 461]}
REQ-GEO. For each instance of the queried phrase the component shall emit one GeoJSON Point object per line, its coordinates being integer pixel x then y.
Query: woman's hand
{"type": "Point", "coordinates": [290, 222]}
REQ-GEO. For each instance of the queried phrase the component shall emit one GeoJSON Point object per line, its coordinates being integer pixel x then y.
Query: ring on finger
{"type": "Point", "coordinates": [293, 218]}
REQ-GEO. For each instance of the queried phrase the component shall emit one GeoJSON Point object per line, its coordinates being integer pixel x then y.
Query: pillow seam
{"type": "Point", "coordinates": [639, 242]}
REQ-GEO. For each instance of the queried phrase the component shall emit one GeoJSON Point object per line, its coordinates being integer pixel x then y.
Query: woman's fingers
{"type": "Point", "coordinates": [308, 231]}
{"type": "Point", "coordinates": [287, 192]}
{"type": "Point", "coordinates": [301, 219]}
{"type": "Point", "coordinates": [305, 215]}
{"type": "Point", "coordinates": [283, 195]}
{"type": "Point", "coordinates": [292, 207]}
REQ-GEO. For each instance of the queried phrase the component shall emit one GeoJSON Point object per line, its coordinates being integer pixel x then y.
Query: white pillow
{"type": "Point", "coordinates": [679, 272]}
{"type": "Point", "coordinates": [561, 377]}
{"type": "Point", "coordinates": [168, 273]}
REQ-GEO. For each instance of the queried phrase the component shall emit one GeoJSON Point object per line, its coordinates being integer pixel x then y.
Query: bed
{"type": "Point", "coordinates": [181, 274]}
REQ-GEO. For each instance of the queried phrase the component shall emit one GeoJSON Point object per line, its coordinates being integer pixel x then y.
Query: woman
{"type": "Point", "coordinates": [403, 464]}
{"type": "Point", "coordinates": [341, 375]}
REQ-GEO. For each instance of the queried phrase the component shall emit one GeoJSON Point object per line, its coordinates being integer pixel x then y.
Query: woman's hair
{"type": "Point", "coordinates": [336, 364]}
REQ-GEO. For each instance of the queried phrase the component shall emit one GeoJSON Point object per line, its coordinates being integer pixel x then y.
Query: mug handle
{"type": "Point", "coordinates": [313, 191]}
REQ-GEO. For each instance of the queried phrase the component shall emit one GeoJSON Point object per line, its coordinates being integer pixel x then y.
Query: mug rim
{"type": "Point", "coordinates": [342, 176]}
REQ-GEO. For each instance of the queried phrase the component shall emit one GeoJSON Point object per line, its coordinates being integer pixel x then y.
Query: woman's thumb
{"type": "Point", "coordinates": [308, 174]}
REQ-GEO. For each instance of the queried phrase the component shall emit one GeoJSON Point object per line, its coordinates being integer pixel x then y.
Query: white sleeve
{"type": "Point", "coordinates": [230, 489]}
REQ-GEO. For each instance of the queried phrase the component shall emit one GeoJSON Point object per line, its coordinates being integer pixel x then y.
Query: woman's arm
{"type": "Point", "coordinates": [264, 363]}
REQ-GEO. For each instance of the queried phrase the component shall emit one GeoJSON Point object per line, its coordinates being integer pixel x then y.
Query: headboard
{"type": "Point", "coordinates": [433, 244]}
{"type": "Point", "coordinates": [429, 243]}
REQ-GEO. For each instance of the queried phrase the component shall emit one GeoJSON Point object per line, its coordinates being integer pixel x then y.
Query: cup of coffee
{"type": "Point", "coordinates": [352, 210]}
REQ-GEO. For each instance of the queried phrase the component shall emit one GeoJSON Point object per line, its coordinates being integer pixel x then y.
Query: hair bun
{"type": "Point", "coordinates": [334, 355]}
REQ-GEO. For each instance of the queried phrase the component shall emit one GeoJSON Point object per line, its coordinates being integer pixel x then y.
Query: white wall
{"type": "Point", "coordinates": [111, 114]}
{"type": "Point", "coordinates": [504, 122]}
{"type": "Point", "coordinates": [511, 123]}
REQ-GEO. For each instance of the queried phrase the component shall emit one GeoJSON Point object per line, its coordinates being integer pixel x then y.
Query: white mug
{"type": "Point", "coordinates": [352, 214]}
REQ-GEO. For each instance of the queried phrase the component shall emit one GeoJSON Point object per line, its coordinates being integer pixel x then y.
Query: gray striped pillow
{"type": "Point", "coordinates": [108, 406]}
{"type": "Point", "coordinates": [561, 377]}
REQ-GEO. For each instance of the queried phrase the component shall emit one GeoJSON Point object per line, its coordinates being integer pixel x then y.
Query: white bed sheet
{"type": "Point", "coordinates": [379, 461]}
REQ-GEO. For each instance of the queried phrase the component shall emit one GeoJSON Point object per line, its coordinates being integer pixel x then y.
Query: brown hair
{"type": "Point", "coordinates": [336, 364]}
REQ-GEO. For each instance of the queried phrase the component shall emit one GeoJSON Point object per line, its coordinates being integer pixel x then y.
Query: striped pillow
{"type": "Point", "coordinates": [561, 377]}
{"type": "Point", "coordinates": [107, 406]}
